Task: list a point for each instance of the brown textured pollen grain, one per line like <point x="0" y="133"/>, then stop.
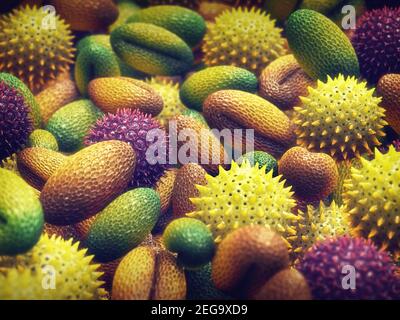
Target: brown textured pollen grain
<point x="88" y="15"/>
<point x="288" y="284"/>
<point x="188" y="177"/>
<point x="37" y="165"/>
<point x="165" y="187"/>
<point x="247" y="258"/>
<point x="56" y="96"/>
<point x="201" y="139"/>
<point x="283" y="82"/>
<point x="389" y="88"/>
<point x="87" y="182"/>
<point x="234" y="109"/>
<point x="313" y="176"/>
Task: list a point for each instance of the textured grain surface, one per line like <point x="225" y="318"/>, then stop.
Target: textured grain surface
<point x="283" y="82"/>
<point x="243" y="37"/>
<point x="123" y="224"/>
<point x="320" y="46"/>
<point x="146" y="273"/>
<point x="188" y="177"/>
<point x="36" y="45"/>
<point x="21" y="215"/>
<point x="36" y="165"/>
<point x="65" y="232"/>
<point x="247" y="258"/>
<point x="371" y="197"/>
<point x="71" y="123"/>
<point x="185" y="23"/>
<point x="340" y="117"/>
<point x="324" y="263"/>
<point x="112" y="93"/>
<point x="42" y="139"/>
<point x="165" y="188"/>
<point x="87" y="182"/>
<point x="95" y="59"/>
<point x="205" y="148"/>
<point x="29" y="98"/>
<point x="288" y="284"/>
<point x="56" y="96"/>
<point x="88" y="15"/>
<point x="201" y="84"/>
<point x="376" y="40"/>
<point x="151" y="49"/>
<point x="191" y="239"/>
<point x="389" y="89"/>
<point x="82" y="228"/>
<point x="241" y="196"/>
<point x="233" y="109"/>
<point x="313" y="176"/>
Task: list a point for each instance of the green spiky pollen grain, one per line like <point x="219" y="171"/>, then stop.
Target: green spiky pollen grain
<point x="43" y="139"/>
<point x="169" y="92"/>
<point x="244" y="38"/>
<point x="244" y="195"/>
<point x="32" y="50"/>
<point x="340" y="117"/>
<point x="76" y="277"/>
<point x="317" y="224"/>
<point x="372" y="200"/>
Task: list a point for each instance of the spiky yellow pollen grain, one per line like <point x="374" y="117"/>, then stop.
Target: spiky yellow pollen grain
<point x="372" y="200"/>
<point x="317" y="224"/>
<point x="245" y="195"/>
<point x="242" y="37"/>
<point x="35" y="46"/>
<point x="341" y="117"/>
<point x="53" y="269"/>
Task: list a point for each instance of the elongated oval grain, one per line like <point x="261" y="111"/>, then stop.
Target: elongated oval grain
<point x="234" y="109"/>
<point x="87" y="182"/>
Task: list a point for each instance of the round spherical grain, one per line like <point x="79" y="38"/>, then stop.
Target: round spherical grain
<point x="313" y="176"/>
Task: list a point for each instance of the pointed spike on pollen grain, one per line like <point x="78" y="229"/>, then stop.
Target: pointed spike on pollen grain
<point x="372" y="233"/>
<point x="391" y="234"/>
<point x="373" y="209"/>
<point x="365" y="218"/>
<point x="380" y="222"/>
